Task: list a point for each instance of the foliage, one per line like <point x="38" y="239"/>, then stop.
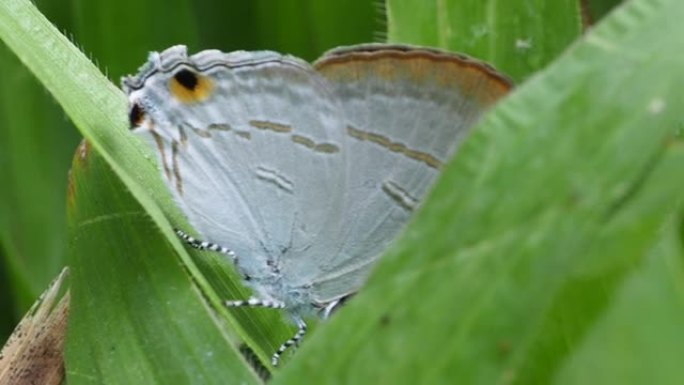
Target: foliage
<point x="549" y="251"/>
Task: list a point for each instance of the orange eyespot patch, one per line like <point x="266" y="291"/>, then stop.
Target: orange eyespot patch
<point x="190" y="87"/>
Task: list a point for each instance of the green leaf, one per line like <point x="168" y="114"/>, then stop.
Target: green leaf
<point x="518" y="37"/>
<point x="552" y="203"/>
<point x="519" y="267"/>
<point x="639" y="339"/>
<point x="141" y="307"/>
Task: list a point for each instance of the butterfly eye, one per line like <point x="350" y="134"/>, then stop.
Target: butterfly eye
<point x="190" y="87"/>
<point x="136" y="116"/>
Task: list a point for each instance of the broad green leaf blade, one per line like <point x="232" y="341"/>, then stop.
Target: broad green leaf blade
<point x="639" y="339"/>
<point x="164" y="331"/>
<point x="552" y="202"/>
<point x="518" y="37"/>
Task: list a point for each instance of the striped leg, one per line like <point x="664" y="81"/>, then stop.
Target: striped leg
<point x="256" y="302"/>
<point x="301" y="325"/>
<point x="202" y="245"/>
<point x="294" y="341"/>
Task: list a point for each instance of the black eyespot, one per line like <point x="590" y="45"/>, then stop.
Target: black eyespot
<point x="135" y="116"/>
<point x="187" y="79"/>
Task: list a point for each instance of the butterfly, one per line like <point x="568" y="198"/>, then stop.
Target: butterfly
<point x="302" y="174"/>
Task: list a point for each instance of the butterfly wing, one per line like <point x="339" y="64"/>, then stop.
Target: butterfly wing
<point x="406" y="111"/>
<point x="250" y="145"/>
<point x="307" y="175"/>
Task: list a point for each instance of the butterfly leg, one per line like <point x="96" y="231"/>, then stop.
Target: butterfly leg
<point x="252" y="302"/>
<point x="203" y="245"/>
<point x="256" y="302"/>
<point x="294" y="341"/>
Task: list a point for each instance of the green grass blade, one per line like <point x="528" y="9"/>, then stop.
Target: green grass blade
<point x="548" y="207"/>
<point x="518" y="37"/>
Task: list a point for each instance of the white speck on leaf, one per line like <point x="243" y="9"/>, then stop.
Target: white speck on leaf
<point x="523" y="44"/>
<point x="479" y="31"/>
<point x="656" y="106"/>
